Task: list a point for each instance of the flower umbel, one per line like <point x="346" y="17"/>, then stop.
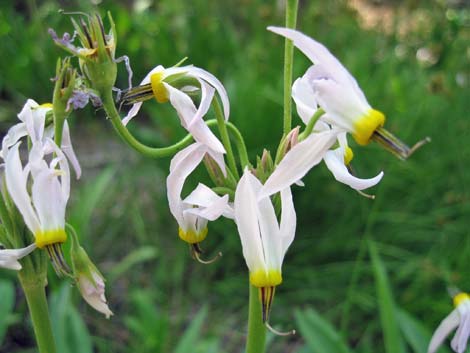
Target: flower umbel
<point x="459" y="318"/>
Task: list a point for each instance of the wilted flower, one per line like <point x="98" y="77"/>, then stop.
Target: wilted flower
<point x="459" y="318"/>
<point x="175" y="84"/>
<point x="328" y="84"/>
<point x="264" y="239"/>
<point x="89" y="280"/>
<point x="96" y="52"/>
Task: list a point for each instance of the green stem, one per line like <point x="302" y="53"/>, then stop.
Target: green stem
<point x="35" y="293"/>
<point x="309" y="128"/>
<point x="256" y="340"/>
<point x="153" y="152"/>
<point x="291" y="20"/>
<point x="240" y="142"/>
<point x="225" y="138"/>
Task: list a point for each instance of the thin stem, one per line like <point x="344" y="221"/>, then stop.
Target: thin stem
<point x="34" y="289"/>
<point x="240" y="142"/>
<point x="153" y="152"/>
<point x="225" y="138"/>
<point x="311" y="123"/>
<point x="256" y="339"/>
<point x="291" y="20"/>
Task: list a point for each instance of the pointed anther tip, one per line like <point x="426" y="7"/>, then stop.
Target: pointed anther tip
<point x="279" y="333"/>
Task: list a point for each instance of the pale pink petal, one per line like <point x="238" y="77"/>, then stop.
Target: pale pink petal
<point x="443" y="330"/>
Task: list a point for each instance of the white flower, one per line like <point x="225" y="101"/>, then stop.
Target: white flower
<point x="264" y="240"/>
<point x="91" y="286"/>
<point x="43" y="209"/>
<point x="33" y="118"/>
<point x="202" y="204"/>
<point x="190" y="116"/>
<point x="9" y="257"/>
<point x="334" y="89"/>
<point x="459" y="318"/>
<point x="298" y="161"/>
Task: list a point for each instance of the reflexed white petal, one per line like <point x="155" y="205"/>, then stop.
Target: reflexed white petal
<point x="443" y="330"/>
<point x="67" y="148"/>
<point x="334" y="160"/>
<point x="93" y="293"/>
<point x="16" y="184"/>
<point x="270" y="233"/>
<point x="26" y="111"/>
<point x="186" y="111"/>
<point x="214" y="82"/>
<point x="9" y="257"/>
<point x="136" y="107"/>
<point x="298" y="161"/>
<point x="14" y="134"/>
<point x="246" y="218"/>
<point x="288" y="221"/>
<point x="342" y="106"/>
<point x="65" y="171"/>
<point x="207" y="93"/>
<point x="219" y="159"/>
<point x="304" y="99"/>
<point x="320" y="55"/>
<point x="210" y="205"/>
<point x="48" y="200"/>
<point x="182" y="165"/>
<point x="459" y="342"/>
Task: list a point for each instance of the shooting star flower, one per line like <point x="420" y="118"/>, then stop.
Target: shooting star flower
<point x="264" y="240"/>
<point x="458" y="319"/>
<point x="175" y="85"/>
<point x="339" y="95"/>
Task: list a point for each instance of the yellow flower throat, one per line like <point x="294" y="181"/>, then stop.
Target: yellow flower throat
<point x="191" y="236"/>
<point x="159" y="91"/>
<point x="49" y="237"/>
<point x="365" y="126"/>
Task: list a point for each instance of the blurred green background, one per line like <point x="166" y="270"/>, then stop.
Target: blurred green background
<point x="361" y="276"/>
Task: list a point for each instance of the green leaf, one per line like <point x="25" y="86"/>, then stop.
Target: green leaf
<point x="70" y="331"/>
<point x="7" y="302"/>
<point x="415" y="333"/>
<point x="320" y="335"/>
<point x="388" y="311"/>
<point x="191" y="336"/>
<point x="89" y="197"/>
<point x="137" y="256"/>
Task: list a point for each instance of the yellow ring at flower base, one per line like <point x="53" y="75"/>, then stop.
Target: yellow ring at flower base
<point x="262" y="278"/>
<point x="348" y="155"/>
<point x="459" y="298"/>
<point x="192" y="237"/>
<point x="50" y="237"/>
<point x="365" y="126"/>
<point x="46" y="105"/>
<point x="159" y="91"/>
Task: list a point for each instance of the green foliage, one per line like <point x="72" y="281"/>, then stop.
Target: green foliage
<point x="7" y="293"/>
<point x="119" y="207"/>
<point x="320" y="335"/>
<point x="70" y="332"/>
